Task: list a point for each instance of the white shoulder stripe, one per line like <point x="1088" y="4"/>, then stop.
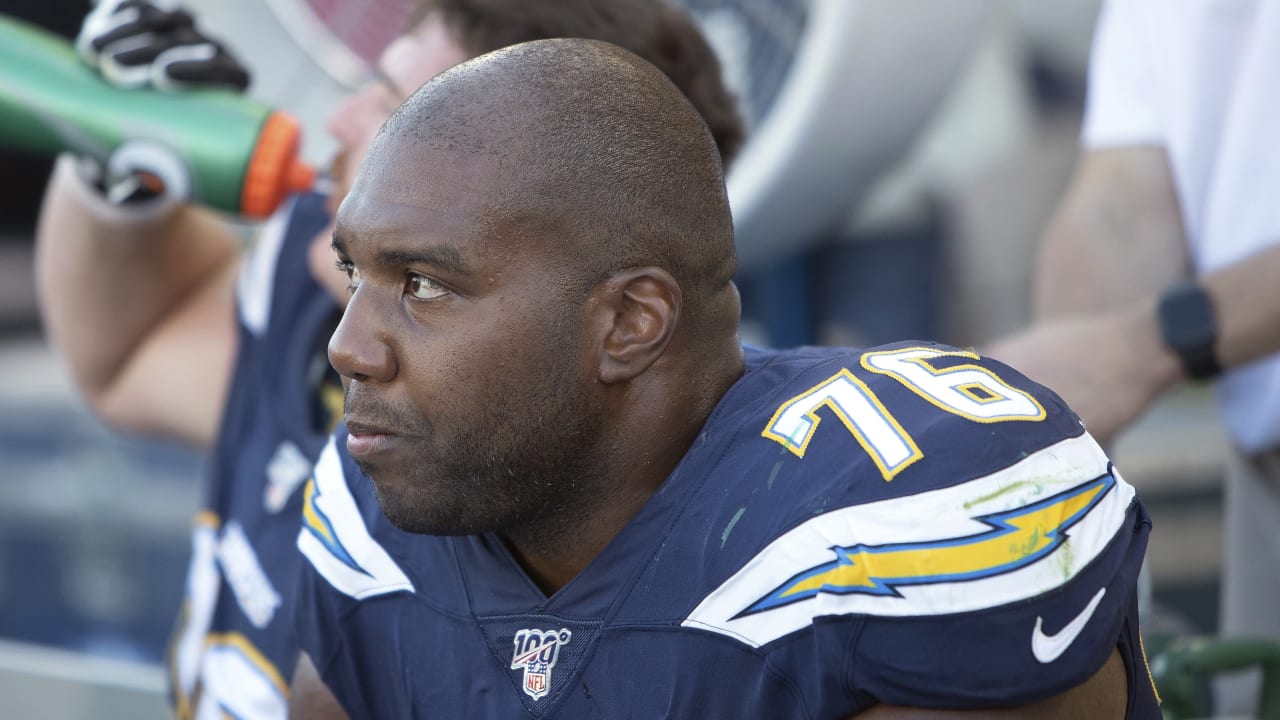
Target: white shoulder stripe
<point x="335" y="540"/>
<point x="1009" y="536"/>
<point x="256" y="284"/>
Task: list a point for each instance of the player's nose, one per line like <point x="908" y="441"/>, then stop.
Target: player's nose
<point x="358" y="349"/>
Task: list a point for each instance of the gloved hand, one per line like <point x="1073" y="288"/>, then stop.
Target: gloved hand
<point x="137" y="171"/>
<point x="134" y="44"/>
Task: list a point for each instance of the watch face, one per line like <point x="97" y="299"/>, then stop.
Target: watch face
<point x="1187" y="317"/>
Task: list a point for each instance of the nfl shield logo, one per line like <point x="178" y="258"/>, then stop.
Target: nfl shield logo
<point x="536" y="653"/>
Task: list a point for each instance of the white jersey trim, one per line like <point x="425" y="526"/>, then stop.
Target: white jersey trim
<point x="336" y="541"/>
<point x="255" y="285"/>
<point x="749" y="607"/>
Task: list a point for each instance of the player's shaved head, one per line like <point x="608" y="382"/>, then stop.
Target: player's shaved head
<point x="589" y="147"/>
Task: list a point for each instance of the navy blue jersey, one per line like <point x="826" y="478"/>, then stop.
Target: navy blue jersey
<point x="234" y="649"/>
<point x="912" y="525"/>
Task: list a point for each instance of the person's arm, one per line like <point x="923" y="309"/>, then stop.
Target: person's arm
<point x="1116" y="236"/>
<point x="1114" y="244"/>
<point x="309" y="697"/>
<point x="1102" y="696"/>
<point x="1099" y="343"/>
<point x="1246" y="303"/>
<point x="140" y="302"/>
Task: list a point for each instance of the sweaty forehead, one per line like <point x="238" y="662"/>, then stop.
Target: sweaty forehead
<point x="433" y="197"/>
<point x="414" y="174"/>
<point x="490" y="185"/>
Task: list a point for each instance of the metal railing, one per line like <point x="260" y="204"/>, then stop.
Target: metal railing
<point x="42" y="683"/>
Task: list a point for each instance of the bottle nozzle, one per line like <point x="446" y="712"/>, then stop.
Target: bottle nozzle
<point x="301" y="177"/>
<point x="274" y="171"/>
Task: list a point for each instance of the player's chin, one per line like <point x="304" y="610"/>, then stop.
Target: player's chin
<point x="393" y="502"/>
<point x="386" y="474"/>
<point x="393" y="491"/>
<point x="415" y="512"/>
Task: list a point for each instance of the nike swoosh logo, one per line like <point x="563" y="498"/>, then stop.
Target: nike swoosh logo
<point x="1048" y="648"/>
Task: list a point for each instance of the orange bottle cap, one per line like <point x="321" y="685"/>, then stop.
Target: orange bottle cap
<point x="274" y="170"/>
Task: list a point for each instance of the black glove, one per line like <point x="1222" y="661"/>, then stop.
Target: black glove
<point x="135" y="44"/>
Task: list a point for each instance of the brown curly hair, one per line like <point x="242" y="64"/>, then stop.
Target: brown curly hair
<point x="655" y="30"/>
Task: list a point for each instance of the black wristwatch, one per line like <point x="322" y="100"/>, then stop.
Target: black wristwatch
<point x="1188" y="328"/>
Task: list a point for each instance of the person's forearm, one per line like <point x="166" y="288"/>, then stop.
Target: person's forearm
<point x="1246" y="302"/>
<point x="1246" y="309"/>
<point x="1115" y="239"/>
<point x="1128" y="346"/>
<point x="1114" y="244"/>
<point x="106" y="276"/>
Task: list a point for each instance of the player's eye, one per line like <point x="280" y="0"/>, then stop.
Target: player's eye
<point x="423" y="287"/>
<point x="352" y="272"/>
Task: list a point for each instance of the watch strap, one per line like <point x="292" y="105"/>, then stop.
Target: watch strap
<point x="1188" y="328"/>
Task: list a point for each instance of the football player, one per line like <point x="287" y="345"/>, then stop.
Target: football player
<point x="169" y="330"/>
<point x="565" y="491"/>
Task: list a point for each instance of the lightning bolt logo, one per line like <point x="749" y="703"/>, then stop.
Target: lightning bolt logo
<point x="315" y="521"/>
<point x="1016" y="538"/>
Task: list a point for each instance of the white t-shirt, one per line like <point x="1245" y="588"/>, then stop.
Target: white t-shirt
<point x="1200" y="78"/>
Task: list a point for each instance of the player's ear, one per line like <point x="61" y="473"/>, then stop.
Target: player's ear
<point x="634" y="313"/>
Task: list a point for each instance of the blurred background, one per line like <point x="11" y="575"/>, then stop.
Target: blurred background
<point x="905" y="156"/>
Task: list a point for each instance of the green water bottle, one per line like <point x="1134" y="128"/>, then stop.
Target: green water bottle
<point x="213" y="147"/>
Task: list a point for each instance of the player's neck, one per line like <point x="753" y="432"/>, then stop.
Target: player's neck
<point x="648" y="441"/>
<point x="552" y="557"/>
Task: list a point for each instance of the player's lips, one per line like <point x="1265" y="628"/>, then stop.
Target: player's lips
<point x="365" y="438"/>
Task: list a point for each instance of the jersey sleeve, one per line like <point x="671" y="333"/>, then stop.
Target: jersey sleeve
<point x="275" y="280"/>
<point x="1000" y="591"/>
<point x="956" y="539"/>
<point x="1041" y="595"/>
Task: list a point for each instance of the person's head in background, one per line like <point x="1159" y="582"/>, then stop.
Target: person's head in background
<point x="447" y="32"/>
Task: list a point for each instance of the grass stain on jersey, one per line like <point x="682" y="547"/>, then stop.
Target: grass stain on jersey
<point x="724" y="537"/>
<point x="1021" y="484"/>
<point x="774" y="474"/>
